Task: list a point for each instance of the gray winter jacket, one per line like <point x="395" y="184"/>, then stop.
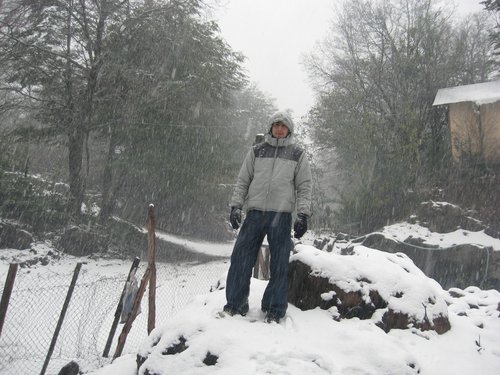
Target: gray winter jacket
<point x="275" y="175"/>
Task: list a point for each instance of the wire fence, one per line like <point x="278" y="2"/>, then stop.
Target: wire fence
<point x="38" y="297"/>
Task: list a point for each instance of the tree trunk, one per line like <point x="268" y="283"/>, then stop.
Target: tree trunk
<point x="75" y="134"/>
<point x="82" y="129"/>
<point x="107" y="179"/>
<point x="76" y="140"/>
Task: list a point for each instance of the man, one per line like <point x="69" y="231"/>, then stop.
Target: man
<point x="275" y="178"/>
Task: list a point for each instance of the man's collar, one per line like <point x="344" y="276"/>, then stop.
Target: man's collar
<point x="278" y="142"/>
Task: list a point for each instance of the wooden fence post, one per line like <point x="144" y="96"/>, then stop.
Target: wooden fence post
<point x="256" y="267"/>
<point x="61" y="317"/>
<point x="119" y="308"/>
<point x="149" y="276"/>
<point x="132" y="315"/>
<point x="266" y="256"/>
<point x="7" y="291"/>
<point x="261" y="266"/>
<point x="152" y="267"/>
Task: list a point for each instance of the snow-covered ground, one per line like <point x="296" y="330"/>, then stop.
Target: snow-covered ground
<point x="311" y="342"/>
<point x="402" y="231"/>
<point x="305" y="342"/>
<point x="40" y="290"/>
<point x="314" y="343"/>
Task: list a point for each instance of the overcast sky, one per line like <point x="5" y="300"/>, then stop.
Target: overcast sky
<point x="274" y="34"/>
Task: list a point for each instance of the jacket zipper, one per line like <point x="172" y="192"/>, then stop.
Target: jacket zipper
<point x="272" y="173"/>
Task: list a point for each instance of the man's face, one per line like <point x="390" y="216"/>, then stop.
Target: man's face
<point x="279" y="130"/>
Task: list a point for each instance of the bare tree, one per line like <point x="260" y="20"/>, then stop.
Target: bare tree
<point x="377" y="75"/>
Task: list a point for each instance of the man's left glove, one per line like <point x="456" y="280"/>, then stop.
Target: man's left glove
<point x="235" y="217"/>
<point x="300" y="225"/>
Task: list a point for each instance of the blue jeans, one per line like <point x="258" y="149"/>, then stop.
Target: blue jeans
<point x="277" y="226"/>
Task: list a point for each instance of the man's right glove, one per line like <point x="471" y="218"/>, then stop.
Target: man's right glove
<point x="235" y="217"/>
<point x="300" y="225"/>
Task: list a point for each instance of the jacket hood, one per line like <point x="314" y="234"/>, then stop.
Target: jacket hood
<point x="281" y="117"/>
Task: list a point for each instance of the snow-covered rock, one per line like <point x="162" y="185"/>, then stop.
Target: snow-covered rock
<point x="12" y="235"/>
<point x="198" y="341"/>
<point x="366" y="283"/>
<point x="444" y="217"/>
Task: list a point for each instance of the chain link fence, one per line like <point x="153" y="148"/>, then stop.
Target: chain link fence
<point x="38" y="297"/>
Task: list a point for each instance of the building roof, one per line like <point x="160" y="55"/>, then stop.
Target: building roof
<point x="480" y="93"/>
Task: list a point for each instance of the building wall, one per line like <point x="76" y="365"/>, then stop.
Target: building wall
<point x="475" y="131"/>
<point x="465" y="131"/>
<point x="490" y="123"/>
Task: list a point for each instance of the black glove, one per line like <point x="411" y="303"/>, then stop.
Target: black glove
<point x="300" y="225"/>
<point x="235" y="217"/>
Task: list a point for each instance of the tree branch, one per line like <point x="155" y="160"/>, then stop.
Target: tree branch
<point x="28" y="45"/>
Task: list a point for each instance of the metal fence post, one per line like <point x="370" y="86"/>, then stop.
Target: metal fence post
<point x="119" y="308"/>
<point x="7" y="291"/>
<point x="61" y="317"/>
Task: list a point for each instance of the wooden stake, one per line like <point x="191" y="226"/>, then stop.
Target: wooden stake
<point x="128" y="325"/>
<point x="152" y="267"/>
<point x="119" y="308"/>
<point x="149" y="276"/>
